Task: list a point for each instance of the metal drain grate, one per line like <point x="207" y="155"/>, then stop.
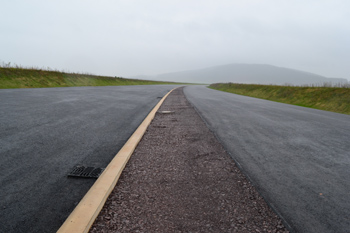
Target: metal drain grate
<point x="86" y="172"/>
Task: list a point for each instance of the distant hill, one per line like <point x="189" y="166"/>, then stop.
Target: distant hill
<point x="246" y="73"/>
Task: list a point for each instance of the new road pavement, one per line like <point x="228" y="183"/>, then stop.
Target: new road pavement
<point x="298" y="158"/>
<point x="46" y="132"/>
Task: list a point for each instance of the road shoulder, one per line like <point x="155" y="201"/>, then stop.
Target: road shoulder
<point x="180" y="178"/>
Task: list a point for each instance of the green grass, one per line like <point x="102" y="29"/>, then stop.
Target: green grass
<point x="325" y="98"/>
<point x="11" y="77"/>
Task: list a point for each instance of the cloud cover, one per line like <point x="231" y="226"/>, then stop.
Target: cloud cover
<point x="126" y="38"/>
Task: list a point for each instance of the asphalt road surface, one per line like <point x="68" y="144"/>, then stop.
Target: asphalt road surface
<point x="298" y="158"/>
<point x="45" y="132"/>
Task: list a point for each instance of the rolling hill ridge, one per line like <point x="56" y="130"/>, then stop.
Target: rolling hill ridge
<point x="246" y="73"/>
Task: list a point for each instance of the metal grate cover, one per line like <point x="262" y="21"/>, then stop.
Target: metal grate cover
<point x="86" y="172"/>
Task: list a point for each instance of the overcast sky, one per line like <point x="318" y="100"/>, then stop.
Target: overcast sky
<point x="126" y="38"/>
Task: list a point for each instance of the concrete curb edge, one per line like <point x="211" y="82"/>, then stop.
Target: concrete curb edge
<point x="85" y="213"/>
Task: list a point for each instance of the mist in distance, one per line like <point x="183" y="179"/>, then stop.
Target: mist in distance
<point x="132" y="38"/>
<point x="247" y="73"/>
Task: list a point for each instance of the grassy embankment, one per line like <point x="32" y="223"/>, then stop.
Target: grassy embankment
<point x="32" y="78"/>
<point x="325" y="98"/>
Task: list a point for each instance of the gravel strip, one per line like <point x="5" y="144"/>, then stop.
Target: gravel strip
<point x="180" y="179"/>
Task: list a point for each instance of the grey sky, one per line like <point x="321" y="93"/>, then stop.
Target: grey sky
<point x="125" y="38"/>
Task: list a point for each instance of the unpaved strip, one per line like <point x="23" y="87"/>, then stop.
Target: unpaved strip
<point x="180" y="179"/>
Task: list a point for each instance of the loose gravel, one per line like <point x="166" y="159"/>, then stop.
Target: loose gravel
<point x="180" y="179"/>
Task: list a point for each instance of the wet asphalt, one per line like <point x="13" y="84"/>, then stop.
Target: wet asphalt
<point x="47" y="131"/>
<point x="298" y="158"/>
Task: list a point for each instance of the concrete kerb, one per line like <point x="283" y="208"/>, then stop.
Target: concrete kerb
<point x="85" y="213"/>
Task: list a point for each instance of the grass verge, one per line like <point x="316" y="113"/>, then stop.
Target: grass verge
<point x="33" y="78"/>
<point x="325" y="98"/>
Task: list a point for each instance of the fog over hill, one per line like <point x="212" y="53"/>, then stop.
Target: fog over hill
<point x="246" y="73"/>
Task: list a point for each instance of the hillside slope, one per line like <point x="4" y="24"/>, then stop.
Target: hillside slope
<point x="33" y="78"/>
<point x="324" y="98"/>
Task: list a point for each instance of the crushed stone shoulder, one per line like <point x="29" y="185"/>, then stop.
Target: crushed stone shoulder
<point x="180" y="179"/>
